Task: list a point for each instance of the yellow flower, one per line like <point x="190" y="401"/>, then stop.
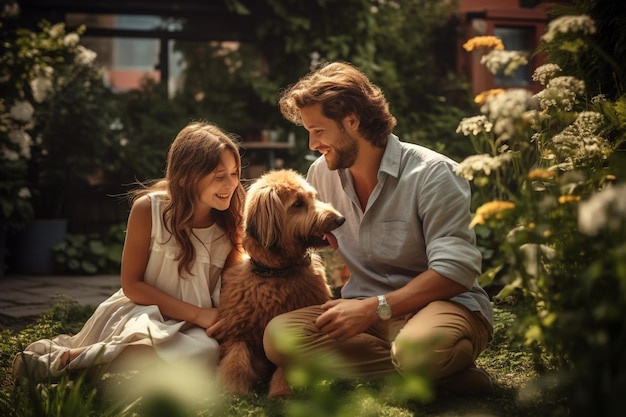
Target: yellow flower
<point x="568" y="198"/>
<point x="491" y="209"/>
<point x="541" y="174"/>
<point x="480" y="99"/>
<point x="488" y="42"/>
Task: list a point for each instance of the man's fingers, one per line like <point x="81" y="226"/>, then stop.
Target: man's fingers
<point x="329" y="304"/>
<point x="214" y="328"/>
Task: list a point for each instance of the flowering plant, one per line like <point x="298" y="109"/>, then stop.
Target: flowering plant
<point x="52" y="119"/>
<point x="545" y="180"/>
<point x="16" y="120"/>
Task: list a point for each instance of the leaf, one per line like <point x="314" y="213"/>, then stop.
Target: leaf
<point x="97" y="247"/>
<point x="509" y="289"/>
<point x="488" y="276"/>
<point x="88" y="267"/>
<point x="114" y="253"/>
<point x="237" y="7"/>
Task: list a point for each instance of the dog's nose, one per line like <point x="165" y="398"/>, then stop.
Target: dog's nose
<point x="340" y="220"/>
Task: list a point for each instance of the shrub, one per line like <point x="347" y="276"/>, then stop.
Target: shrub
<point x="91" y="253"/>
<point x="546" y="180"/>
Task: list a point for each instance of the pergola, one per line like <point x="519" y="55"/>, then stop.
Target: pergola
<point x="217" y="20"/>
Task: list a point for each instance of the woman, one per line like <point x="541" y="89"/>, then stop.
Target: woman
<point x="182" y="231"/>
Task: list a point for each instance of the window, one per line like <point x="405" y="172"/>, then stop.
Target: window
<point x="133" y="53"/>
<point x="515" y="39"/>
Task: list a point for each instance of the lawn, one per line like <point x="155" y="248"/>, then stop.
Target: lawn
<point x="182" y="392"/>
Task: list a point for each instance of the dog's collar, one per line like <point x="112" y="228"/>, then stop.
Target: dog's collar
<point x="266" y="271"/>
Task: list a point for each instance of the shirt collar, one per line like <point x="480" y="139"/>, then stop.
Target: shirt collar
<point x="390" y="164"/>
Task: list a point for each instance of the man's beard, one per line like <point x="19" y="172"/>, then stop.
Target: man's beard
<point x="345" y="154"/>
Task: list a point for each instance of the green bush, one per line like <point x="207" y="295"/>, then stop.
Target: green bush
<point x="547" y="177"/>
<point x="91" y="253"/>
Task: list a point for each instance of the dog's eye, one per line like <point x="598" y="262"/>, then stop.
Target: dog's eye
<point x="298" y="204"/>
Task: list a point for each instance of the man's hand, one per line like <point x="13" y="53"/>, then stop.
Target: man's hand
<point x="346" y="318"/>
<point x="215" y="331"/>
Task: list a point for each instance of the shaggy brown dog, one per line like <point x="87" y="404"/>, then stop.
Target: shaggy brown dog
<point x="283" y="220"/>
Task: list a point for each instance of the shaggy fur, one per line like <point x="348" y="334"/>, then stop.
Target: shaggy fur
<point x="283" y="220"/>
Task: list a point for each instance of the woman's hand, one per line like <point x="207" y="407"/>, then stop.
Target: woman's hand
<point x="206" y="317"/>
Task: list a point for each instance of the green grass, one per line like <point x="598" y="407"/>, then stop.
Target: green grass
<point x="182" y="392"/>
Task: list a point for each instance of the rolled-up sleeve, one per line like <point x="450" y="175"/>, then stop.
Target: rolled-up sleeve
<point x="445" y="213"/>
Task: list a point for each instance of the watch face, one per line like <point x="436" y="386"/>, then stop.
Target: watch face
<point x="384" y="311"/>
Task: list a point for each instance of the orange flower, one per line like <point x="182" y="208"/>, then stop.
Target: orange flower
<point x="541" y="174"/>
<point x="568" y="198"/>
<point x="493" y="208"/>
<point x="480" y="99"/>
<point x="488" y="42"/>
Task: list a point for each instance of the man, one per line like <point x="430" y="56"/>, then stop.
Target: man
<point x="406" y="241"/>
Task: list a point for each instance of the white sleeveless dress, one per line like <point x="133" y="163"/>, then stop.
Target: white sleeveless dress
<point x="118" y="322"/>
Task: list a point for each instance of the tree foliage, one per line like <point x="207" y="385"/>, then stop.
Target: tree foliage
<point x="401" y="45"/>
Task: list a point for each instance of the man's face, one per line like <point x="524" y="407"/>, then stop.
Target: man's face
<point x="329" y="138"/>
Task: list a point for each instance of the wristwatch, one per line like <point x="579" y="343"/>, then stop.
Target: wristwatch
<point x="383" y="310"/>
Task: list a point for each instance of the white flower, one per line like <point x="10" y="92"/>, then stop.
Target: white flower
<point x="504" y="61"/>
<point x="481" y="163"/>
<point x="22" y="140"/>
<point x="71" y="39"/>
<point x="25" y="146"/>
<point x="604" y="210"/>
<point x="599" y="99"/>
<point x="84" y="56"/>
<point x="580" y="145"/>
<point x="24" y="193"/>
<point x="474" y="125"/>
<point x="589" y="121"/>
<point x="116" y="125"/>
<point x="9" y="154"/>
<point x="582" y="24"/>
<point x="41" y="86"/>
<point x="569" y="83"/>
<point x="546" y="72"/>
<point x="561" y="93"/>
<point x="22" y="111"/>
<point x="316" y="60"/>
<point x="506" y="109"/>
<point x="535" y="119"/>
<point x="56" y="30"/>
<point x="511" y="104"/>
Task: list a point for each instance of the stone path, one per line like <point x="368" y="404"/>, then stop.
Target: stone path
<point x="24" y="296"/>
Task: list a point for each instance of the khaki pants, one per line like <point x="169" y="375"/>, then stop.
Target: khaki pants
<point x="442" y="339"/>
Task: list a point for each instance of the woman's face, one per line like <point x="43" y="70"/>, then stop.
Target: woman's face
<point x="216" y="189"/>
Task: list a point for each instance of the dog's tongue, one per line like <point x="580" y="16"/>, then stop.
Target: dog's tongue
<point x="332" y="240"/>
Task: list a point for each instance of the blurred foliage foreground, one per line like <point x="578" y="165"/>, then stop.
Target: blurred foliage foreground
<point x="187" y="391"/>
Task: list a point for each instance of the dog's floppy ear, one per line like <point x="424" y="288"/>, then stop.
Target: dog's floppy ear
<point x="264" y="217"/>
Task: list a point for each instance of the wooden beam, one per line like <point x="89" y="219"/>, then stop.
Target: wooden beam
<point x="171" y="8"/>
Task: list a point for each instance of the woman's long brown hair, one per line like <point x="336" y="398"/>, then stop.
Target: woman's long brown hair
<point x="195" y="153"/>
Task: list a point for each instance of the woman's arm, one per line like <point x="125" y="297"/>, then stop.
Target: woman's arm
<point x="134" y="262"/>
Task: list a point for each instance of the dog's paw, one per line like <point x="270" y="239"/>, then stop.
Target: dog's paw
<point x="284" y="394"/>
<point x="279" y="388"/>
